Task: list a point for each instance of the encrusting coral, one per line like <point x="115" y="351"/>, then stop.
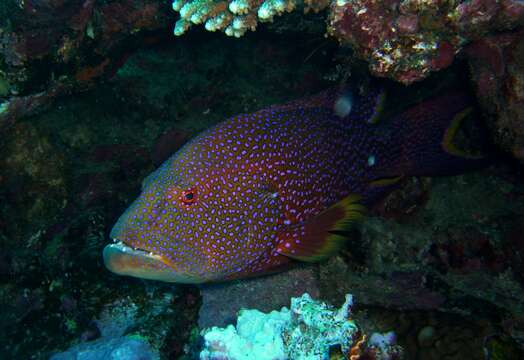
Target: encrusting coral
<point x="408" y="39"/>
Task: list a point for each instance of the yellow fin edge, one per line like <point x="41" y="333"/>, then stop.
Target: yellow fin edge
<point x="451" y="132"/>
<point x="354" y="212"/>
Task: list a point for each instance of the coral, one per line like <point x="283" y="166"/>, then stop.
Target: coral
<point x="38" y="292"/>
<point x="235" y="17"/>
<point x="406" y="40"/>
<point x="308" y="330"/>
<point x="85" y="41"/>
<point x="401" y="39"/>
<point x="256" y="335"/>
<point x="382" y="346"/>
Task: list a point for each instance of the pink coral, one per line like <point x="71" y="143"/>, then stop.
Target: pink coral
<point x="406" y="40"/>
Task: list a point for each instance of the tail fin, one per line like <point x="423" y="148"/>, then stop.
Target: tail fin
<point x="426" y="139"/>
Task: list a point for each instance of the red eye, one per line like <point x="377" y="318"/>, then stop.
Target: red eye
<point x="189" y="196"/>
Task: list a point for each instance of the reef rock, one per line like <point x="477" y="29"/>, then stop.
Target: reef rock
<point x="221" y="302"/>
<point x="49" y="48"/>
<point x="497" y="70"/>
<point x="123" y="348"/>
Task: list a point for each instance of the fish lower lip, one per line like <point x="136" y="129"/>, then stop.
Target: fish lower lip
<point x="124" y="260"/>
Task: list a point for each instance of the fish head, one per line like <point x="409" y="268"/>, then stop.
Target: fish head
<point x="195" y="221"/>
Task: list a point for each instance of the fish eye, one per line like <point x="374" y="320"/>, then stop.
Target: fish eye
<point x="188" y="197"/>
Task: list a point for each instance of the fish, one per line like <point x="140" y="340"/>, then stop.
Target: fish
<point x="260" y="192"/>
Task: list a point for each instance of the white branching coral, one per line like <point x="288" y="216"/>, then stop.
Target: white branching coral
<point x="235" y="17"/>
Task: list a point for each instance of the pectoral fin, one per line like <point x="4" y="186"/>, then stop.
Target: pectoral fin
<point x="318" y="238"/>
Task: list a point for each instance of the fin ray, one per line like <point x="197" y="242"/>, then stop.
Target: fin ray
<point x="319" y="238"/>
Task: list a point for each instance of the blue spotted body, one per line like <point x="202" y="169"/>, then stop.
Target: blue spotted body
<point x="257" y="191"/>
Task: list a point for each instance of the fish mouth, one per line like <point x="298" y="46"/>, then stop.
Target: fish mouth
<point x="123" y="259"/>
<point x="121" y="247"/>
